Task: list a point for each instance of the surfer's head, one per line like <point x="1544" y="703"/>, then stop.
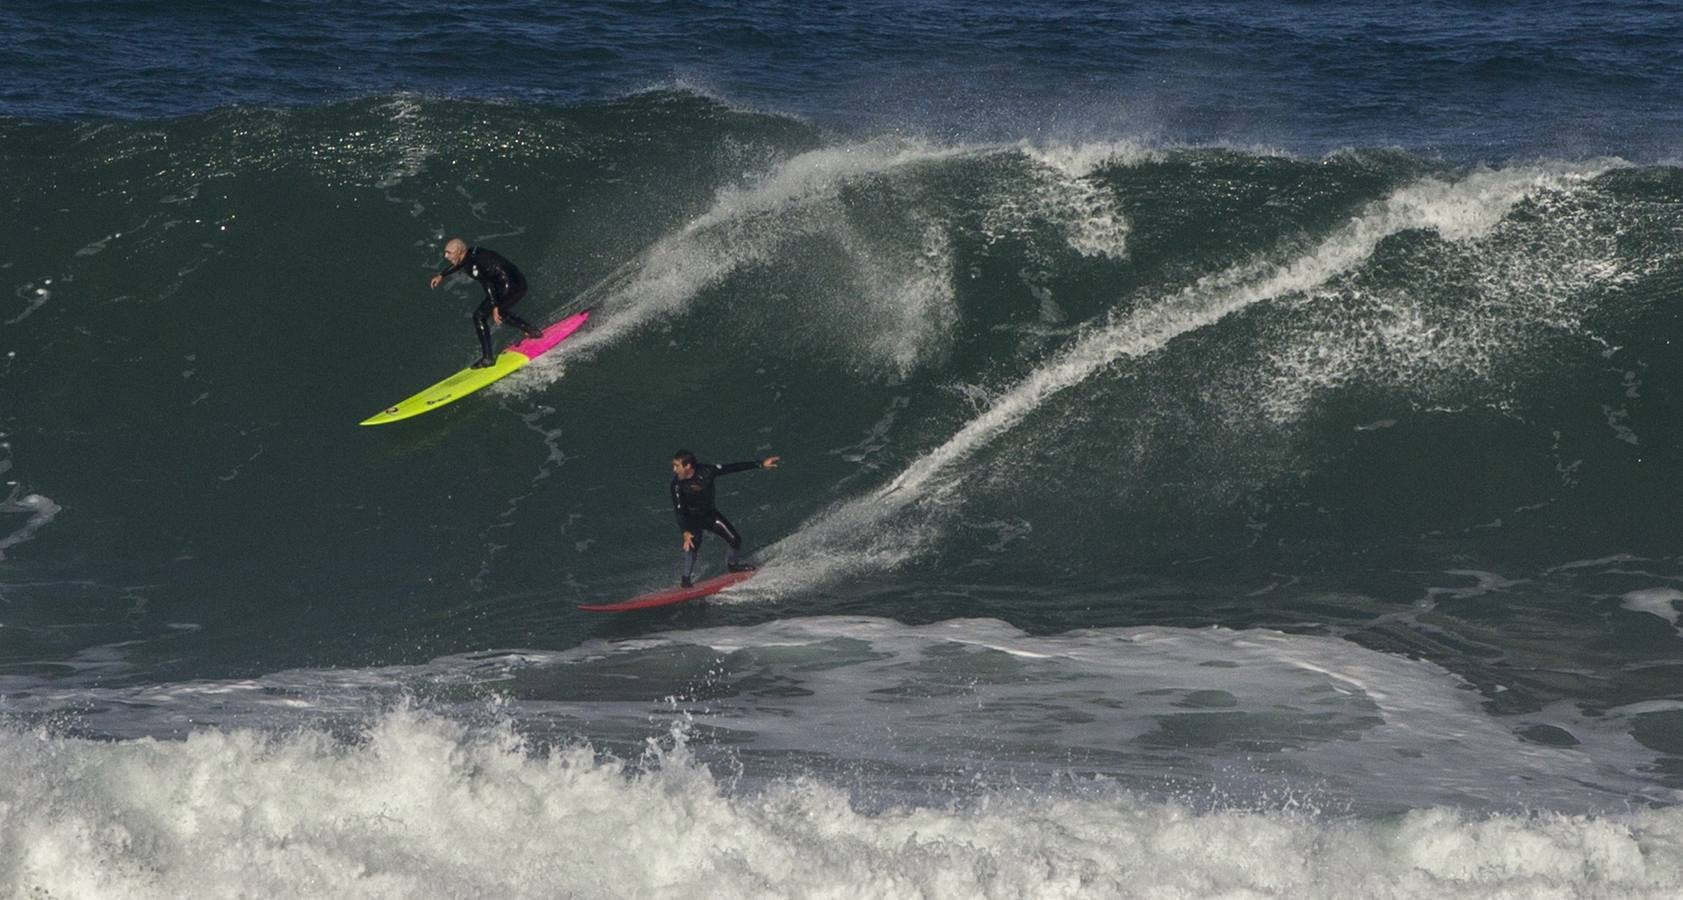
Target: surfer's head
<point x="455" y="250"/>
<point x="683" y="464"/>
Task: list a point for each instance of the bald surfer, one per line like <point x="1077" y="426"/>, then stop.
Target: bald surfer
<point x="692" y="501"/>
<point x="503" y="284"/>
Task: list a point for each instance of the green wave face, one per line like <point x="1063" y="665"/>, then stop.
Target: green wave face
<point x="1069" y="385"/>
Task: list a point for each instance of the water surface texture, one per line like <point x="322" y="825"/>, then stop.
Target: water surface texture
<point x="1229" y="450"/>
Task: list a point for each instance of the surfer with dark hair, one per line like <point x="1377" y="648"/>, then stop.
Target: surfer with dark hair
<point x="692" y="501"/>
<point x="503" y="284"/>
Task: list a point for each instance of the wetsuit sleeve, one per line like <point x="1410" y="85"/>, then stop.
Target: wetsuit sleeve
<point x="678" y="504"/>
<point x="452" y="269"/>
<point x="728" y="468"/>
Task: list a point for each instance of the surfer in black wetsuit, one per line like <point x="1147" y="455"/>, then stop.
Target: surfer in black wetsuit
<point x="504" y="286"/>
<point x="692" y="501"/>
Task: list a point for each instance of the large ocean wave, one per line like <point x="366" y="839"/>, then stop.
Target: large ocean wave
<point x="1139" y="498"/>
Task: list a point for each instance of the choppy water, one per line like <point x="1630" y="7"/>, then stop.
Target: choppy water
<point x="1208" y="471"/>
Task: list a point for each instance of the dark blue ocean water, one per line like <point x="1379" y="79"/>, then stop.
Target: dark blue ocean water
<point x="1229" y="450"/>
<point x="1466" y="80"/>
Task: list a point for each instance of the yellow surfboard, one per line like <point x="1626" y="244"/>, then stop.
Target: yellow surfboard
<point x="465" y="382"/>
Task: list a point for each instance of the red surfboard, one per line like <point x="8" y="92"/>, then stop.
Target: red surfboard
<point x="672" y="595"/>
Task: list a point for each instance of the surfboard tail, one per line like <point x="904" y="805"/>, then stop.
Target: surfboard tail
<point x="672" y="596"/>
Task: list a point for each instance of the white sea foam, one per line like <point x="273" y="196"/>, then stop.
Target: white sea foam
<point x="1660" y="602"/>
<point x="1082" y="160"/>
<point x="34" y="297"/>
<point x="1212" y="717"/>
<point x="40" y="510"/>
<point x="415" y="804"/>
<point x="1520" y="280"/>
<point x="1067" y="193"/>
<point x="420" y="808"/>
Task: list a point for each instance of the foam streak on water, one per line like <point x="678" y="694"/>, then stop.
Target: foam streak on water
<point x="1458" y="211"/>
<point x="744" y="225"/>
<point x="906" y="306"/>
<point x="39" y="509"/>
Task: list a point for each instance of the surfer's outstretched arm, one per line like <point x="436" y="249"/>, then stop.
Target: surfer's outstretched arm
<point x="769" y="462"/>
<point x="439" y="278"/>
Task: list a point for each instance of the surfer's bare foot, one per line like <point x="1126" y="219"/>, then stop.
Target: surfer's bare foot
<point x="534" y="332"/>
<point x="484" y="362"/>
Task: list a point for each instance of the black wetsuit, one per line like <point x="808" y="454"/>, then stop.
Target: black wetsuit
<point x="504" y="286"/>
<point x="692" y="502"/>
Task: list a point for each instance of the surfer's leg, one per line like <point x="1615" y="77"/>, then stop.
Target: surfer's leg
<point x="722" y="527"/>
<point x="505" y="304"/>
<point x="482" y="324"/>
<point x="529" y="329"/>
<point x="689" y="560"/>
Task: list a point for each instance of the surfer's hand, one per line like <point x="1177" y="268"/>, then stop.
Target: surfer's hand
<point x="496" y="315"/>
<point x="436" y="281"/>
<point x="769" y="462"/>
<point x="689" y="541"/>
